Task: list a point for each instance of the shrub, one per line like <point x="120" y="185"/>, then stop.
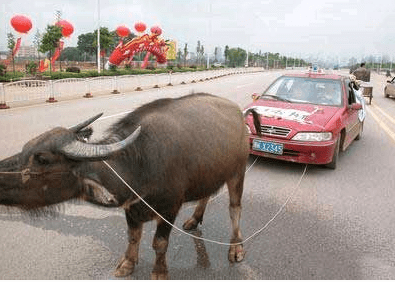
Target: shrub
<point x="73" y="69"/>
<point x="3" y="69"/>
<point x="113" y="68"/>
<point x="31" y="67"/>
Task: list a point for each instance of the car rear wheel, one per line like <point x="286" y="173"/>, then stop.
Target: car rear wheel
<point x="386" y="95"/>
<point x="333" y="163"/>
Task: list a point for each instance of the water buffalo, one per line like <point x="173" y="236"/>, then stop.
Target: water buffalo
<point x="170" y="151"/>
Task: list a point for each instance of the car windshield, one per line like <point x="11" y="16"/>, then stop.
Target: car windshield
<point x="306" y="90"/>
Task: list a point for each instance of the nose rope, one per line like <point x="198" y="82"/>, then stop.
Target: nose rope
<point x="23" y="172"/>
<point x="208" y="240"/>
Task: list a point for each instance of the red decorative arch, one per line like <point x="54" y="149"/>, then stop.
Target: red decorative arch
<point x="150" y="43"/>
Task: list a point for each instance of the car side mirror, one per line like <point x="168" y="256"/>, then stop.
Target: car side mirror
<point x="255" y="97"/>
<point x="356" y="106"/>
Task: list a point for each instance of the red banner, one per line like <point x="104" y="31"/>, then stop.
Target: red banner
<point x="16" y="47"/>
<point x="44" y="64"/>
<point x="57" y="53"/>
<point x="145" y="62"/>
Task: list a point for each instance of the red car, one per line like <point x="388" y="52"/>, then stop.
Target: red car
<point x="305" y="118"/>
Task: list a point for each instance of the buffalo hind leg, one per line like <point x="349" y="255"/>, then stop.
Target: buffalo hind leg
<point x="235" y="188"/>
<point x="160" y="244"/>
<point x="127" y="262"/>
<point x="197" y="216"/>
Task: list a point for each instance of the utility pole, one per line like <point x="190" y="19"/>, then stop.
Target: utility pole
<point x="98" y="36"/>
<point x="58" y="15"/>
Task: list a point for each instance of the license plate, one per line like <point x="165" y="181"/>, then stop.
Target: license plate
<point x="268" y="147"/>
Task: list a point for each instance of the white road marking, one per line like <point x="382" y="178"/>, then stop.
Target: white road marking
<point x="383" y="113"/>
<point x="244" y="85"/>
<point x="390" y="133"/>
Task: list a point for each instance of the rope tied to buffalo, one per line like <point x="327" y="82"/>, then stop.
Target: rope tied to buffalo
<point x="208" y="240"/>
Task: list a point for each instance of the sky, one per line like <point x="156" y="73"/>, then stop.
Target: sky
<point x="298" y="28"/>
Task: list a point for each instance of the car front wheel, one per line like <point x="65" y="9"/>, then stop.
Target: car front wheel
<point x="333" y="163"/>
<point x="359" y="136"/>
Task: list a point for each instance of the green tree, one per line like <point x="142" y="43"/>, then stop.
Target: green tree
<point x="199" y="52"/>
<point x="179" y="56"/>
<point x="50" y="40"/>
<point x="11" y="45"/>
<point x="226" y="54"/>
<point x="185" y="54"/>
<point x="37" y="42"/>
<point x="85" y="44"/>
<point x="106" y="40"/>
<point x="215" y="54"/>
<point x="237" y="57"/>
<point x="71" y="54"/>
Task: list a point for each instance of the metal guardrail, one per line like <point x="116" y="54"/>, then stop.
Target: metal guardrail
<point x="50" y="90"/>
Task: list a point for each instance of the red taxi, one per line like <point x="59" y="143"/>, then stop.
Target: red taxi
<point x="304" y="118"/>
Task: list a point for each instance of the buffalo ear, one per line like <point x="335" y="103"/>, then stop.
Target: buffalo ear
<point x="84" y="134"/>
<point x="95" y="193"/>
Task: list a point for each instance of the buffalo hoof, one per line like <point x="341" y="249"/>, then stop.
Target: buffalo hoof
<point x="125" y="268"/>
<point x="159" y="276"/>
<point x="236" y="253"/>
<point x="190" y="224"/>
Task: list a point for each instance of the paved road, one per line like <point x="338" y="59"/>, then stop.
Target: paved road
<point x="338" y="225"/>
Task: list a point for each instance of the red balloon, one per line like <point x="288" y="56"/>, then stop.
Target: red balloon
<point x="156" y="30"/>
<point x="140" y="26"/>
<point x="122" y="31"/>
<point x="21" y="23"/>
<point x="67" y="28"/>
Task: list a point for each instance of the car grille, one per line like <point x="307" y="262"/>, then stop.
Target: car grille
<point x="275" y="130"/>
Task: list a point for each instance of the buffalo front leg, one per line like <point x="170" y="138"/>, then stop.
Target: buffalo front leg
<point x="160" y="244"/>
<point x="235" y="187"/>
<point x="127" y="262"/>
<point x="197" y="216"/>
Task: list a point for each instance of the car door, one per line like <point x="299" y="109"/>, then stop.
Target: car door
<point x="352" y="123"/>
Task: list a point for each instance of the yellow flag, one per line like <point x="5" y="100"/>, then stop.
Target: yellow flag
<point x="172" y="51"/>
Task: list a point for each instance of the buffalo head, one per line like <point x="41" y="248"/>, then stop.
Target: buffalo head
<point x="54" y="167"/>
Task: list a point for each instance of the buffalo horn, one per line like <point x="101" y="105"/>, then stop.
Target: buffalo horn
<point x="81" y="125"/>
<point x="81" y="150"/>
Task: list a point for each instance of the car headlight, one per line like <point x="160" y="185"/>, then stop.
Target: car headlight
<point x="248" y="129"/>
<point x="313" y="136"/>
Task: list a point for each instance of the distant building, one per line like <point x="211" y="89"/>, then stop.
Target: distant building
<point x="3" y="55"/>
<point x="26" y="52"/>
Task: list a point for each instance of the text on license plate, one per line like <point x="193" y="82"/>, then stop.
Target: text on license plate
<point x="268" y="147"/>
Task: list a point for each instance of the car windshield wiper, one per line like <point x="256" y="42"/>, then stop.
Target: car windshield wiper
<point x="275" y="97"/>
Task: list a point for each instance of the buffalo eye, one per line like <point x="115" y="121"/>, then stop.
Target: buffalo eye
<point x="42" y="159"/>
